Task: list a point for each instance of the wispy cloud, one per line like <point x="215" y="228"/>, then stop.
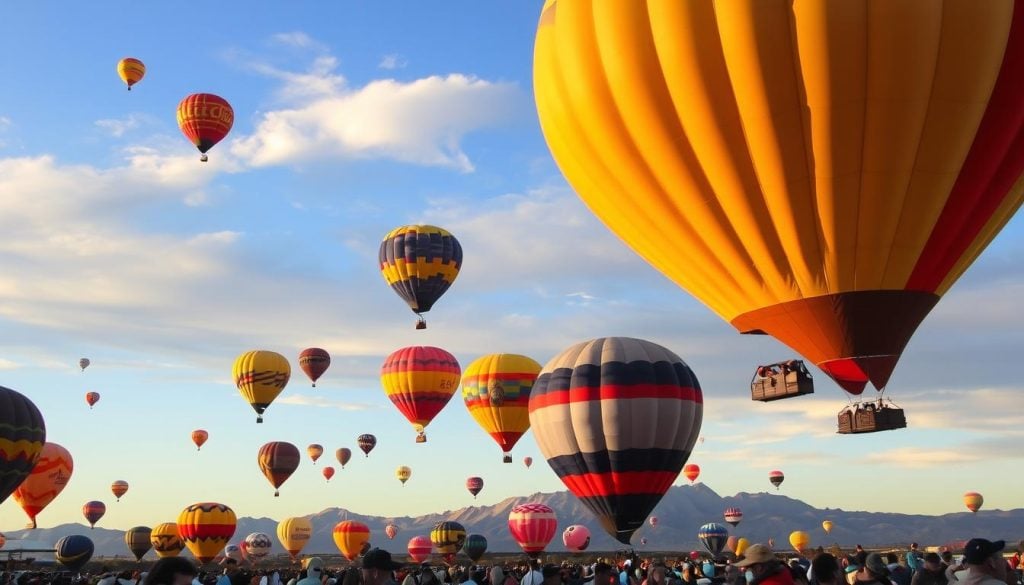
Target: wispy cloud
<point x="322" y="402"/>
<point x="297" y="39"/>
<point x="8" y="364"/>
<point x="118" y="127"/>
<point x="392" y="61"/>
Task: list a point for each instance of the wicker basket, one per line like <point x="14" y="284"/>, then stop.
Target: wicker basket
<point x="781" y="380"/>
<point x="871" y="418"/>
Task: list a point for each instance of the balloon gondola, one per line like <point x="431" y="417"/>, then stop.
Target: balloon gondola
<point x="787" y="379"/>
<point x="871" y="417"/>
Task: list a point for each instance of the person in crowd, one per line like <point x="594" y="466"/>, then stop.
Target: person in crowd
<point x="985" y="563"/>
<point x="930" y="572"/>
<point x="552" y="575"/>
<point x="533" y="575"/>
<point x="898" y="574"/>
<point x="763" y="568"/>
<point x="913" y="558"/>
<point x="378" y="568"/>
<point x="873" y="570"/>
<point x="171" y="571"/>
<point x="825" y="570"/>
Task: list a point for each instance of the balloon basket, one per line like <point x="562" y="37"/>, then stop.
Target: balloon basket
<point x="204" y="158"/>
<point x="506" y="459"/>
<point x="781" y="380"/>
<point x="421" y="324"/>
<point x="871" y="417"/>
<point x="421" y="438"/>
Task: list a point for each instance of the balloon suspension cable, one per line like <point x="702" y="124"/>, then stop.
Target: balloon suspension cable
<point x="204" y="158"/>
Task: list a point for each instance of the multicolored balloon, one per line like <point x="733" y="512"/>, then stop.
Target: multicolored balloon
<point x="74" y="551"/>
<point x="776" y="477"/>
<point x="206" y="528"/>
<point x="199" y="437"/>
<point x="205" y="119"/>
<point x="258" y="546"/>
<point x="576" y="538"/>
<point x="391" y="531"/>
<point x="713" y="536"/>
<point x="314" y="451"/>
<point x="776" y="187"/>
<point x="91" y="398"/>
<point x="475" y="547"/>
<point x="93" y="511"/>
<point x="119" y="488"/>
<point x="733" y="516"/>
<point x="532" y="526"/>
<point x="827" y="526"/>
<point x="260" y="376"/>
<point x="314" y="362"/>
<point x="583" y="410"/>
<point x="47" y="480"/>
<point x="419" y="381"/>
<point x="474" y="485"/>
<point x="420" y="262"/>
<point x="973" y="501"/>
<point x="448" y="539"/>
<point x="496" y="390"/>
<point x="131" y="71"/>
<point x="691" y="471"/>
<point x="403" y="473"/>
<point x="366" y="443"/>
<point x="294" y="534"/>
<point x="233" y="552"/>
<point x="138" y="541"/>
<point x="419" y="548"/>
<point x="343" y="455"/>
<point x="165" y="540"/>
<point x="22" y="438"/>
<point x="278" y="460"/>
<point x="350" y="537"/>
<point x="799" y="540"/>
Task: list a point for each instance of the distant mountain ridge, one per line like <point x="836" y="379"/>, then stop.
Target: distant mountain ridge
<point x="681" y="512"/>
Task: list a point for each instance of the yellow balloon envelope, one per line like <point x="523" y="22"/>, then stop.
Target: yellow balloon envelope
<point x="827" y="526"/>
<point x="294" y="534"/>
<point x="350" y="537"/>
<point x="165" y="540"/>
<point x="260" y="377"/>
<point x="206" y="528"/>
<point x="973" y="501"/>
<point x="403" y="473"/>
<point x="799" y="540"/>
<point x="131" y="72"/>
<point x="48" y="479"/>
<point x="496" y="390"/>
<point x="741" y="546"/>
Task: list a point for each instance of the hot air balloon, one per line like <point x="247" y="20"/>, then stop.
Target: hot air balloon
<point x="496" y="390"/>
<point x="3" y="540"/>
<point x="448" y="539"/>
<point x="973" y="501"/>
<point x="391" y="530"/>
<point x="653" y="521"/>
<point x="733" y="516"/>
<point x="694" y="555"/>
<point x="527" y="461"/>
<point x="314" y="451"/>
<point x="776" y="477"/>
<point x="583" y="410"/>
<point x="576" y="538"/>
<point x="199" y="437"/>
<point x="48" y="479"/>
<point x="206" y="529"/>
<point x="22" y="437"/>
<point x="278" y="460"/>
<point x="419" y="548"/>
<point x="730" y="543"/>
<point x="260" y="377"/>
<point x="294" y="534"/>
<point x="813" y="171"/>
<point x="799" y="540"/>
<point x="243" y="548"/>
<point x="74" y="551"/>
<point x="420" y="262"/>
<point x="131" y="71"/>
<point x="258" y="545"/>
<point x="205" y="119"/>
<point x="743" y="543"/>
<point x="366" y="443"/>
<point x="343" y="455"/>
<point x="403" y="473"/>
<point x="827" y="526"/>
<point x="233" y="552"/>
<point x="91" y="398"/>
<point x="350" y="536"/>
<point x="314" y="362"/>
<point x="474" y="485"/>
<point x="532" y="526"/>
<point x="93" y="511"/>
<point x="137" y="541"/>
<point x="713" y="536"/>
<point x="692" y="472"/>
<point x="475" y="547"/>
<point x="420" y="381"/>
<point x="328" y="472"/>
<point x="119" y="488"/>
<point x="84" y="363"/>
<point x="165" y="540"/>
<point x="643" y="541"/>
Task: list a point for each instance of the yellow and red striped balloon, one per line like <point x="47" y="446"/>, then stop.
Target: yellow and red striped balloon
<point x="119" y="488"/>
<point x="260" y="376"/>
<point x="206" y="528"/>
<point x="165" y="540"/>
<point x="973" y="501"/>
<point x="350" y="537"/>
<point x="131" y="71"/>
<point x="496" y="390"/>
<point x="420" y="380"/>
<point x="205" y="119"/>
<point x="48" y="479"/>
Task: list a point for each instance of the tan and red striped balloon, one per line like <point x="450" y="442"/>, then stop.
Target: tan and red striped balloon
<point x="419" y="381"/>
<point x="314" y="362"/>
<point x="532" y="526"/>
<point x="131" y="71"/>
<point x="617" y="418"/>
<point x="278" y="460"/>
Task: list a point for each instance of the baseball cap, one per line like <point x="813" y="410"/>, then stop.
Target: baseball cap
<point x="377" y="558"/>
<point x="876" y="565"/>
<point x="978" y="550"/>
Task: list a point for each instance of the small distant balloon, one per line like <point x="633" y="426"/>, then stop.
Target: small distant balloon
<point x="314" y="362"/>
<point x="84" y="363"/>
<point x="91" y="398"/>
<point x="131" y="71"/>
<point x="199" y="437"/>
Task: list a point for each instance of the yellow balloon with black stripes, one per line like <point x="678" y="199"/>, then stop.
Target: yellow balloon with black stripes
<point x="260" y="376"/>
<point x="420" y="262"/>
<point x="165" y="540"/>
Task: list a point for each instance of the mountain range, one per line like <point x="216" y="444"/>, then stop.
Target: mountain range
<point x="681" y="512"/>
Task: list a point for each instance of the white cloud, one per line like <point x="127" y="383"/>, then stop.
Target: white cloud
<point x="118" y="127"/>
<point x="8" y="364"/>
<point x="322" y="402"/>
<point x="392" y="61"/>
<point x="298" y="40"/>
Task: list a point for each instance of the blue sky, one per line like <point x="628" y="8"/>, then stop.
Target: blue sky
<point x="352" y="119"/>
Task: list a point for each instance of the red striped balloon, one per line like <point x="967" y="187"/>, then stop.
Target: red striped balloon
<point x="205" y="119"/>
<point x="733" y="516"/>
<point x="616" y="419"/>
<point x="474" y="485"/>
<point x="91" y="398"/>
<point x="278" y="460"/>
<point x="314" y="362"/>
<point x="391" y="531"/>
<point x="420" y="380"/>
<point x="93" y="511"/>
<point x="532" y="526"/>
<point x="419" y="548"/>
<point x="776" y="477"/>
<point x="691" y="471"/>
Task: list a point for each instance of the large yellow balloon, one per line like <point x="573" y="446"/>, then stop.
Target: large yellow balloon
<point x="818" y="171"/>
<point x="294" y="534"/>
<point x="496" y="390"/>
<point x="350" y="537"/>
<point x="206" y="529"/>
<point x="260" y="377"/>
<point x="165" y="540"/>
<point x="799" y="540"/>
<point x="48" y="479"/>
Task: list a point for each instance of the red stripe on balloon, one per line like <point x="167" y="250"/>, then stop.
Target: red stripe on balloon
<point x="615" y="392"/>
<point x="590" y="485"/>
